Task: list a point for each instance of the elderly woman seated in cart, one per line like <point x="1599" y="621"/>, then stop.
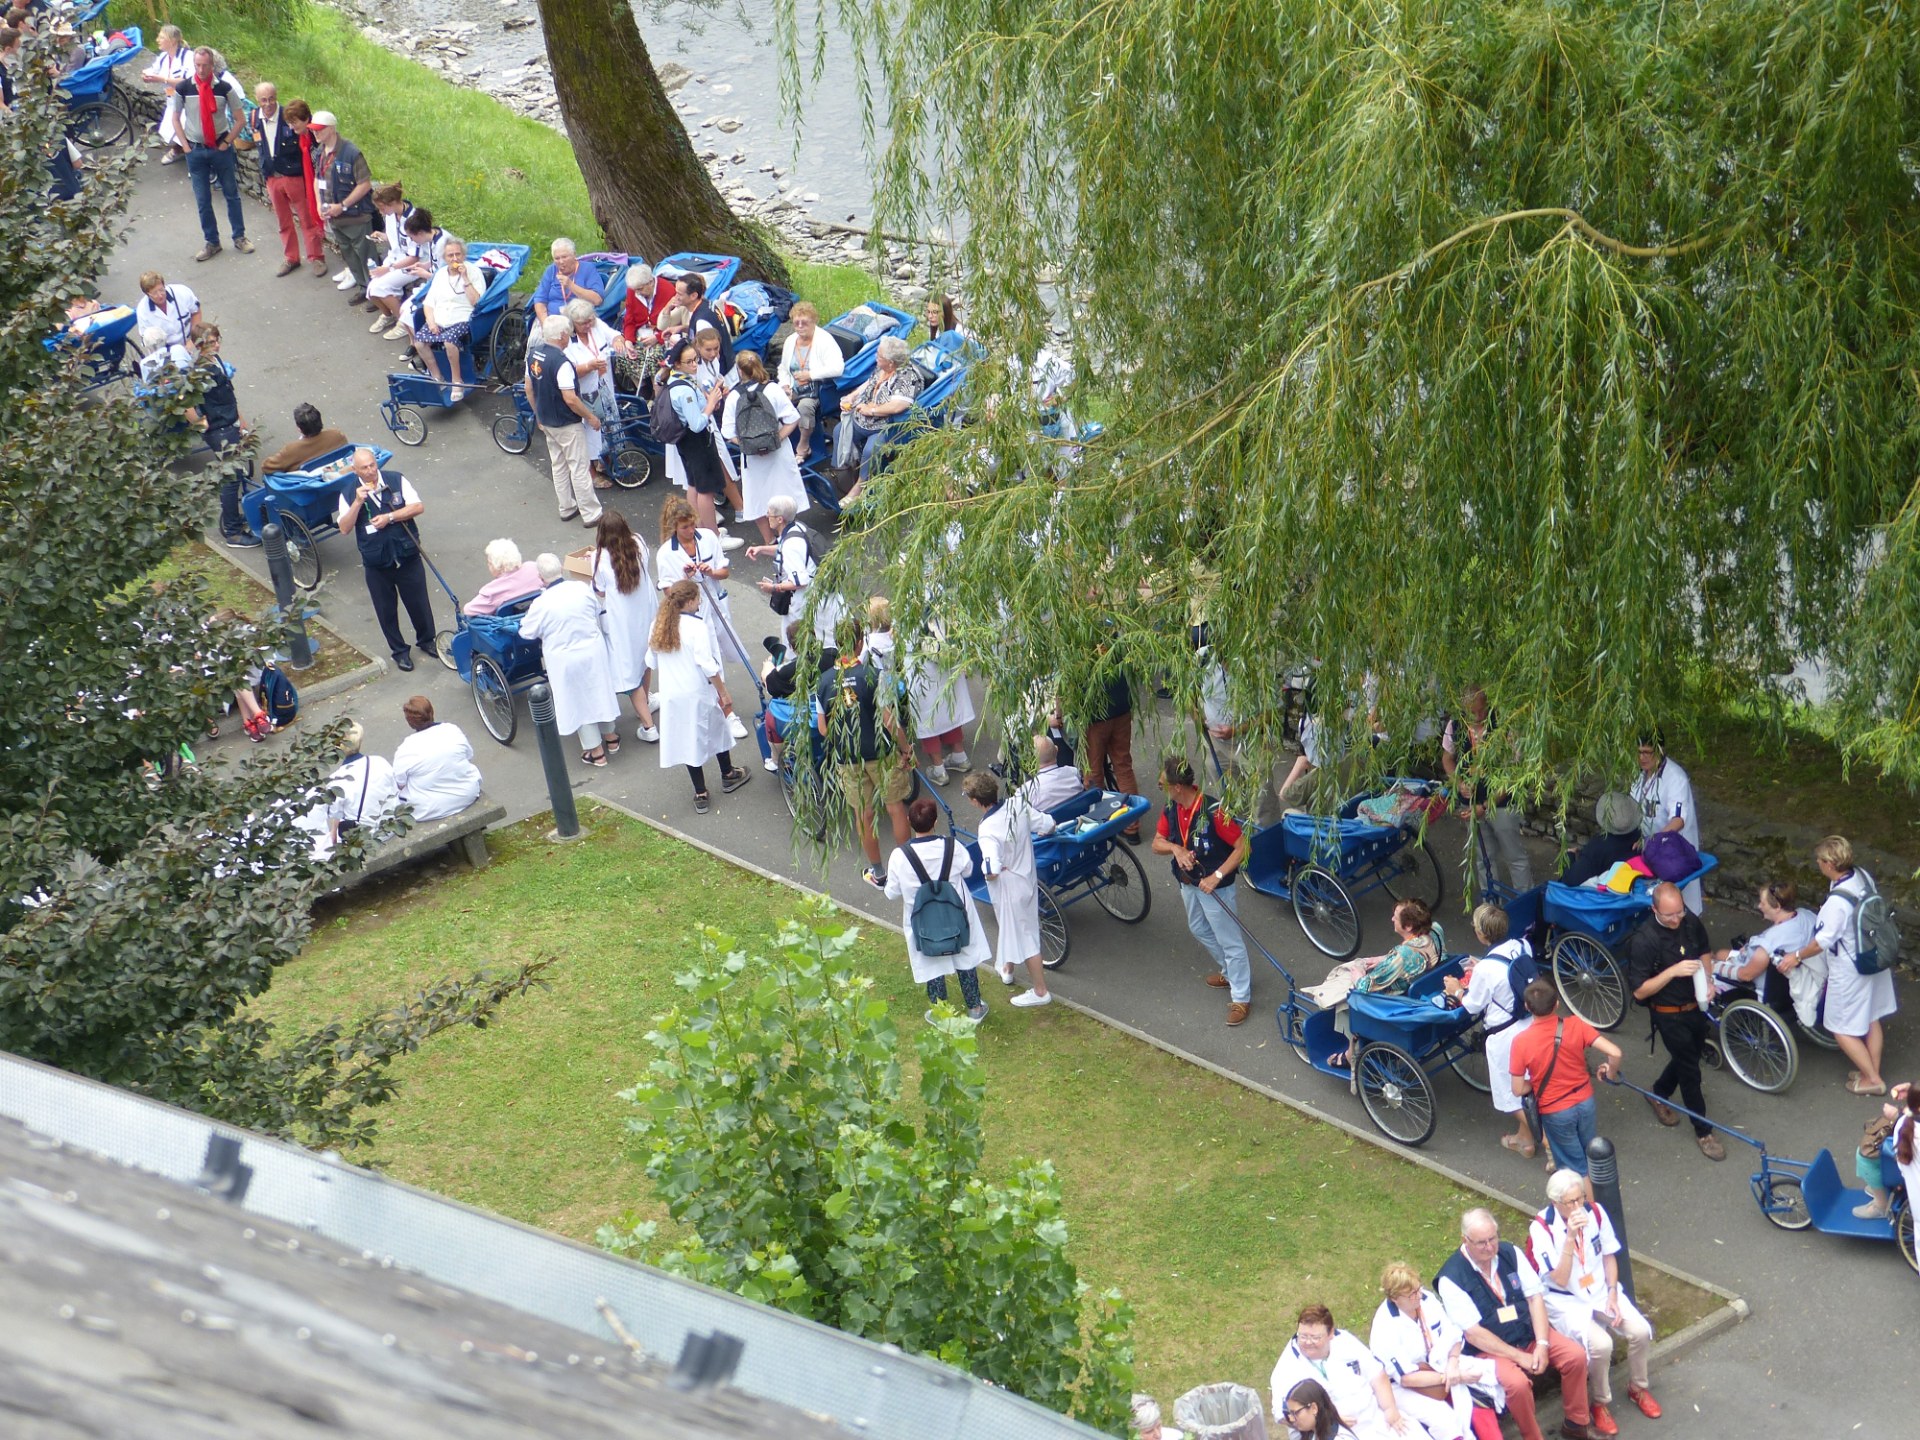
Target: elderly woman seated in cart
<point x="1423" y="945"/>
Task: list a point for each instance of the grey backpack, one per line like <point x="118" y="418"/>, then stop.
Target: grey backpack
<point x="755" y="425"/>
<point x="1876" y="939"/>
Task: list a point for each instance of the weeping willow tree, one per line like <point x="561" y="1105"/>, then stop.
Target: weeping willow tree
<point x="1563" y="348"/>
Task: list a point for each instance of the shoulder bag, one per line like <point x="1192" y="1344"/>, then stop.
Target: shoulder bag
<point x="1530" y="1102"/>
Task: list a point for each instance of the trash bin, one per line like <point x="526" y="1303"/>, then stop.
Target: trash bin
<point x="1222" y="1411"/>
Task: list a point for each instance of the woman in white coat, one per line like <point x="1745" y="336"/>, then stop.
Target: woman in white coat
<point x="565" y="619"/>
<point x="1856" y="1003"/>
<point x="689" y="553"/>
<point x="1487" y="991"/>
<point x="1006" y="834"/>
<point x="942" y="706"/>
<point x="1424" y="1352"/>
<point x="694" y="704"/>
<point x="629" y="600"/>
<point x="433" y="768"/>
<point x="777" y="472"/>
<point x="903" y="884"/>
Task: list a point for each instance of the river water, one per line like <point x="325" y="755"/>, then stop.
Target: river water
<point x="729" y="46"/>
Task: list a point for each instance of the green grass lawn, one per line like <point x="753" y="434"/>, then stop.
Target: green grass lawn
<point x="1217" y="1211"/>
<point x="230" y="588"/>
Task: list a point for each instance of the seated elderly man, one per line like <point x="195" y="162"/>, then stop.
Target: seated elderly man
<point x="433" y="769"/>
<point x="1355" y="1380"/>
<point x="1052" y="783"/>
<point x="886" y="395"/>
<point x="512" y="578"/>
<point x="316" y="439"/>
<point x="567" y="278"/>
<point x="1493" y="1293"/>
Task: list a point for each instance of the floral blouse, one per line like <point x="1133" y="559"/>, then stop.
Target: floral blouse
<point x="1394" y="971"/>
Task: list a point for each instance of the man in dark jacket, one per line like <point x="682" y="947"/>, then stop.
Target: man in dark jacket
<point x="378" y="513"/>
<point x="692" y="291"/>
<point x="278" y="145"/>
<point x="1663" y="956"/>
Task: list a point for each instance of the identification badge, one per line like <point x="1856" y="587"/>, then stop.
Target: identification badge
<point x="1507" y="1314"/>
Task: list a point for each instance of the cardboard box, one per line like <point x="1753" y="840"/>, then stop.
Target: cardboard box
<point x="579" y="563"/>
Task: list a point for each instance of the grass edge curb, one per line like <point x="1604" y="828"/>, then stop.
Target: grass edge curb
<point x="324" y="689"/>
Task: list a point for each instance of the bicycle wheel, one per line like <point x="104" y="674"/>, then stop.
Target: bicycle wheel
<point x="1415" y="874"/>
<point x="629" y="467"/>
<point x="1590" y="981"/>
<point x="1758" y="1046"/>
<point x="1325" y="912"/>
<point x="1120" y="887"/>
<point x="1054" y="940"/>
<point x="303" y="551"/>
<point x="1785" y="1205"/>
<point x="1397" y="1094"/>
<point x="1468" y="1060"/>
<point x="507" y="346"/>
<point x="493" y="698"/>
<point x="512" y="434"/>
<point x="408" y="424"/>
<point x="1903" y="1233"/>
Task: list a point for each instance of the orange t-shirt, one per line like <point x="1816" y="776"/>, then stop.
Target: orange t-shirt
<point x="1569" y="1083"/>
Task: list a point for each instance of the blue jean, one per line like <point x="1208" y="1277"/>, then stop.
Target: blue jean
<point x="1568" y="1134"/>
<point x="1212" y="919"/>
<point x="203" y="167"/>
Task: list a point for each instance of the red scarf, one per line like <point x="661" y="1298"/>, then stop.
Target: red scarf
<point x="205" y="91"/>
<point x="306" y="170"/>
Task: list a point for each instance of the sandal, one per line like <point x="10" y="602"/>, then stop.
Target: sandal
<point x="1520" y="1147"/>
<point x="612" y="742"/>
<point x="1342" y="1061"/>
<point x="594" y="757"/>
<point x="1855" y="1087"/>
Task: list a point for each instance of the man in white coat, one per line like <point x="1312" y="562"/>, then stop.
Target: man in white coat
<point x="939" y="857"/>
<point x="565" y="619"/>
<point x="1005" y="835"/>
<point x="433" y="768"/>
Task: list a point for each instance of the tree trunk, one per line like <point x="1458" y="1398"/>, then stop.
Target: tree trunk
<point x="649" y="191"/>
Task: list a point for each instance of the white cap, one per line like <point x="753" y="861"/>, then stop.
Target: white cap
<point x="324" y="119"/>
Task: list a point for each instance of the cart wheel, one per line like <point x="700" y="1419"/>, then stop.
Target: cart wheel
<point x="100" y="123"/>
<point x="1293" y="1030"/>
<point x="1785" y="1205"/>
<point x="1120" y="886"/>
<point x="630" y="467"/>
<point x="1758" y="1046"/>
<point x="790" y="792"/>
<point x="408" y="424"/>
<point x="1397" y="1093"/>
<point x="1468" y="1058"/>
<point x="1903" y="1232"/>
<point x="303" y="551"/>
<point x="1325" y="912"/>
<point x="493" y="698"/>
<point x="1054" y="940"/>
<point x="443" y="642"/>
<point x="511" y="434"/>
<point x="1415" y="874"/>
<point x="507" y="349"/>
<point x="1590" y="981"/>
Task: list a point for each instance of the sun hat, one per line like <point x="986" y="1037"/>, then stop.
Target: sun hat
<point x="1617" y="814"/>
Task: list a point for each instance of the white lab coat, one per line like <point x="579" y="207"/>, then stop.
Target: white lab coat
<point x="764" y="476"/>
<point x="1006" y="847"/>
<point x="1404" y="1345"/>
<point x="363" y="791"/>
<point x="1854" y="1001"/>
<point x="693" y="729"/>
<point x="434" y="771"/>
<point x="565" y="619"/>
<point x="903" y="885"/>
<point x="1347" y="1374"/>
<point x="941" y="699"/>
<point x="1661" y="796"/>
<point x="629" y="619"/>
<point x="671" y="564"/>
<point x="1490" y="995"/>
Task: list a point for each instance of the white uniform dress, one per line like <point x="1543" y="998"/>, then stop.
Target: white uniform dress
<point x="764" y="476"/>
<point x="434" y="771"/>
<point x="1405" y="1343"/>
<point x="903" y="885"/>
<point x="1348" y="1374"/>
<point x="1006" y="845"/>
<point x="363" y="791"/>
<point x="1575" y="1309"/>
<point x="672" y="564"/>
<point x="629" y="619"/>
<point x="941" y="700"/>
<point x="1662" y="796"/>
<point x="1489" y="994"/>
<point x="565" y="619"/>
<point x="1854" y="1001"/>
<point x="692" y="727"/>
<point x="793" y="561"/>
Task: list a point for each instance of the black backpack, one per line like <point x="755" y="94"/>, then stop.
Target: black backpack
<point x="816" y="542"/>
<point x="755" y="425"/>
<point x="668" y="427"/>
<point x="938" y="920"/>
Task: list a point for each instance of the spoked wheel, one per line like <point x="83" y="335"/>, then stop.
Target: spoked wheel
<point x="1121" y="887"/>
<point x="1903" y="1233"/>
<point x="1415" y="874"/>
<point x="303" y="551"/>
<point x="409" y="425"/>
<point x="1590" y="980"/>
<point x="1819" y="1035"/>
<point x="100" y="123"/>
<point x="493" y="698"/>
<point x="1469" y="1060"/>
<point x="512" y="434"/>
<point x="443" y="642"/>
<point x="790" y="792"/>
<point x="1397" y="1094"/>
<point x="1325" y="912"/>
<point x="629" y="467"/>
<point x="1758" y="1046"/>
<point x="507" y="350"/>
<point x="1054" y="940"/>
<point x="1785" y="1205"/>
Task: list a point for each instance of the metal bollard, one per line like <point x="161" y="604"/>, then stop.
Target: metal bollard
<point x="299" y="646"/>
<point x="1603" y="1173"/>
<point x="553" y="760"/>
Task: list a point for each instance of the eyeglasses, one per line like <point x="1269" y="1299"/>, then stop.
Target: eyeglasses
<point x="1303" y="1408"/>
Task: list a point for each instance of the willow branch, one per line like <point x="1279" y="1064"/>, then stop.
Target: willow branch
<point x="1574" y="221"/>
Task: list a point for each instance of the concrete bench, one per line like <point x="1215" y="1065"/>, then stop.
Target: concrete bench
<point x="465" y="832"/>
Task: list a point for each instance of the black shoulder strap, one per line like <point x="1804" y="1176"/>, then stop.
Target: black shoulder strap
<point x="1552" y="1060"/>
<point x="946" y="858"/>
<point x="913" y="859"/>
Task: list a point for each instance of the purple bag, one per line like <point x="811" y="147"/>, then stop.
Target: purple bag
<point x="1670" y="855"/>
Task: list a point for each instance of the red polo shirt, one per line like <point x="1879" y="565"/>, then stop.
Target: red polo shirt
<point x="1569" y="1084"/>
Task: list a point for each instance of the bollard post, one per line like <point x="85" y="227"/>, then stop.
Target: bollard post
<point x="553" y="760"/>
<point x="300" y="647"/>
<point x="1603" y="1173"/>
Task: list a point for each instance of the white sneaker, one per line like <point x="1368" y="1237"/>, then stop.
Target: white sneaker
<point x="1027" y="999"/>
<point x="649" y="733"/>
<point x="770" y="765"/>
<point x="456" y="395"/>
<point x="1005" y="972"/>
<point x="957" y="760"/>
<point x="737" y="726"/>
<point x="731" y="542"/>
<point x="344" y="280"/>
<point x="399" y="331"/>
<point x="938" y="774"/>
<point x="1872" y="1210"/>
<point x="380" y="322"/>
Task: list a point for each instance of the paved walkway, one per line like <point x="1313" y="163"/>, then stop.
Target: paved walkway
<point x="1821" y="1353"/>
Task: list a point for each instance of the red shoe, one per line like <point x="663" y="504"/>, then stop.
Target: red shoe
<point x="1603" y="1421"/>
<point x="1649" y="1406"/>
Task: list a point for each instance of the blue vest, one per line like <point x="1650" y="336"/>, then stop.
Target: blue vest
<point x="340" y="182"/>
<point x="1518" y="1331"/>
<point x="543" y="386"/>
<point x="391" y="546"/>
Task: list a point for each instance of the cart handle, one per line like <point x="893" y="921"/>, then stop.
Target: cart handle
<point x="1739" y="1135"/>
<point x="1254" y="940"/>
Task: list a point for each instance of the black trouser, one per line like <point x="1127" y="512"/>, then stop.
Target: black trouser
<point x="699" y="772"/>
<point x="969" y="988"/>
<point x="220" y="439"/>
<point x="1685" y="1036"/>
<point x="389" y="589"/>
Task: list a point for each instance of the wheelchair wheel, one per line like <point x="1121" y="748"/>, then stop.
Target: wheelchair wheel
<point x="511" y="434"/>
<point x="100" y="123"/>
<point x="1758" y="1047"/>
<point x="1468" y="1060"/>
<point x="1396" y="1092"/>
<point x="303" y="551"/>
<point x="1903" y="1233"/>
<point x="493" y="698"/>
<point x="1325" y="912"/>
<point x="408" y="424"/>
<point x="507" y="346"/>
<point x="1121" y="887"/>
<point x="1415" y="874"/>
<point x="443" y="642"/>
<point x="1784" y="1203"/>
<point x="1819" y="1035"/>
<point x="1054" y="940"/>
<point x="1590" y="980"/>
<point x="629" y="467"/>
<point x="790" y="792"/>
